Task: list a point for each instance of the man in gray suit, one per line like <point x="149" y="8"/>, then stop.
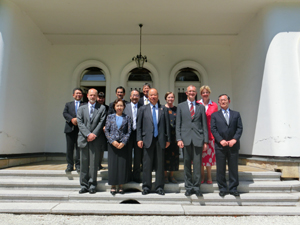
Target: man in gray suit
<point x="131" y="110"/>
<point x="153" y="134"/>
<point x="192" y="136"/>
<point x="90" y="119"/>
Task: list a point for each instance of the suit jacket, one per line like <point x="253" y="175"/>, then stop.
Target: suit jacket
<point x="191" y="130"/>
<point x="69" y="113"/>
<point x="106" y="108"/>
<point x="102" y="135"/>
<point x="111" y="109"/>
<point x="113" y="133"/>
<point x="128" y="110"/>
<point x="222" y="131"/>
<point x="93" y="125"/>
<point x="145" y="127"/>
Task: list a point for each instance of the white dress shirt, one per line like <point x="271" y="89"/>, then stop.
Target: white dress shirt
<point x="206" y="106"/>
<point x="146" y="101"/>
<point x="134" y="116"/>
<point x="228" y="111"/>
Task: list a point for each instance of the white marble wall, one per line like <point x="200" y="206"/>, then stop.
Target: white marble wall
<point x="23" y="72"/>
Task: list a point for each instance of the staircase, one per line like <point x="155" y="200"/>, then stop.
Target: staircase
<point x="47" y="191"/>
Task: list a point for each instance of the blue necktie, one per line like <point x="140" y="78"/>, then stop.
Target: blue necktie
<point x="76" y="107"/>
<point x="154" y="122"/>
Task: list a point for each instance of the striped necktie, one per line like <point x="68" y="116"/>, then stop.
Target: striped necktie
<point x="192" y="111"/>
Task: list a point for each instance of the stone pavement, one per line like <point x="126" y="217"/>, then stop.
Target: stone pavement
<point x="24" y="219"/>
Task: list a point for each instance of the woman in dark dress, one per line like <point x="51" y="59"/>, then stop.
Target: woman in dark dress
<point x="172" y="152"/>
<point x="117" y="132"/>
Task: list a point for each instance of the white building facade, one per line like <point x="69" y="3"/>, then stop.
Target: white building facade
<point x="256" y="63"/>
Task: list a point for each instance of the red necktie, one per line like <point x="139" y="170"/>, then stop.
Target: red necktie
<point x="192" y="111"/>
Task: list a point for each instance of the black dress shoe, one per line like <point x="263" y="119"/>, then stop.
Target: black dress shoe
<point x="121" y="191"/>
<point x="222" y="193"/>
<point x="198" y="193"/>
<point x="83" y="190"/>
<point x="235" y="193"/>
<point x="188" y="192"/>
<point x="69" y="169"/>
<point x="113" y="192"/>
<point x="160" y="192"/>
<point x="145" y="192"/>
<point x="92" y="191"/>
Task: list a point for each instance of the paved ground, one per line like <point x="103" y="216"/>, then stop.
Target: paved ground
<point x="160" y="220"/>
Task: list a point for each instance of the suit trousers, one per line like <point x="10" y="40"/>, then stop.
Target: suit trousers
<point x="103" y="148"/>
<point x="154" y="154"/>
<point x="137" y="161"/>
<point x="71" y="139"/>
<point x="89" y="161"/>
<point x="192" y="153"/>
<point x="232" y="156"/>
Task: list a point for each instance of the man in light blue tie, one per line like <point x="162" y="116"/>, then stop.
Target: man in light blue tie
<point x="153" y="135"/>
<point x="227" y="129"/>
<point x="71" y="130"/>
<point x="131" y="110"/>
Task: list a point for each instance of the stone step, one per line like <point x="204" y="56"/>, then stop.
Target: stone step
<point x="246" y="199"/>
<point x="61" y="208"/>
<point x="245" y="186"/>
<point x="103" y="174"/>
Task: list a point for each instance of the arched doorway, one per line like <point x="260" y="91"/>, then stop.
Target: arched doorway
<point x="137" y="77"/>
<point x="185" y="77"/>
<point x="95" y="72"/>
<point x="184" y="74"/>
<point x="126" y="72"/>
<point x="92" y="77"/>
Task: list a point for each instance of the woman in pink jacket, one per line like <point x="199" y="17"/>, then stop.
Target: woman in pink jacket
<point x="208" y="157"/>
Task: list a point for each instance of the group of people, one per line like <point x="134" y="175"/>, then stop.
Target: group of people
<point x="154" y="133"/>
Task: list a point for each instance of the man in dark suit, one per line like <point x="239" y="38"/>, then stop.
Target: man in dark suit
<point x="153" y="135"/>
<point x="192" y="136"/>
<point x="131" y="110"/>
<point x="103" y="147"/>
<point x="145" y="100"/>
<point x="90" y="118"/>
<point x="227" y="128"/>
<point x="120" y="93"/>
<point x="71" y="130"/>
